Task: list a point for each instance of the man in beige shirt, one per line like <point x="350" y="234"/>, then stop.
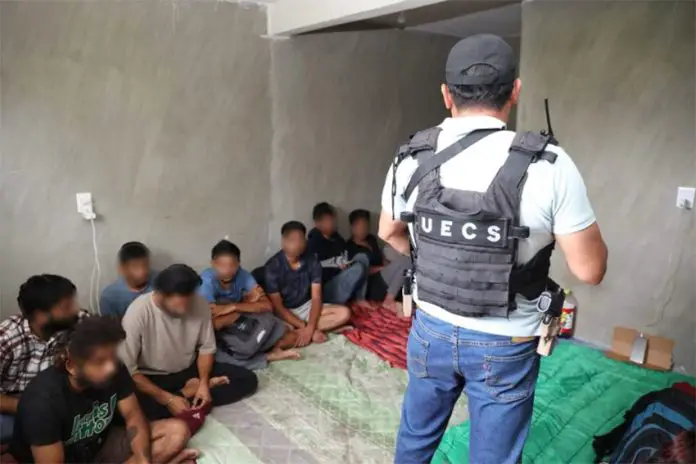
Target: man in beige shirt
<point x="170" y="346"/>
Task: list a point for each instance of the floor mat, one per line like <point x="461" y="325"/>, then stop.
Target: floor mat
<point x="339" y="404"/>
<point x="382" y="332"/>
<point x="580" y="393"/>
<point x="217" y="443"/>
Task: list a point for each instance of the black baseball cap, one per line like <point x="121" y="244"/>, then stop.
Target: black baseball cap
<point x="482" y="49"/>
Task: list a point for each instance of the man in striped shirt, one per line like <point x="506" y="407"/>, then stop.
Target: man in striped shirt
<point x="28" y="341"/>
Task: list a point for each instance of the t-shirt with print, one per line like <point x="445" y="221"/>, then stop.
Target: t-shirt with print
<point x="214" y="292"/>
<point x="326" y="249"/>
<point x="294" y="285"/>
<point x="554" y="202"/>
<point x="51" y="410"/>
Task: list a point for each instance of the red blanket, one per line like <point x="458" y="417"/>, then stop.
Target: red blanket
<point x="382" y="332"/>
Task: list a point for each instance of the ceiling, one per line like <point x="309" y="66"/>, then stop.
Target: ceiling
<point x="458" y="18"/>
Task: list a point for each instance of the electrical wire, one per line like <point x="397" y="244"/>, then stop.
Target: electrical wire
<point x="96" y="272"/>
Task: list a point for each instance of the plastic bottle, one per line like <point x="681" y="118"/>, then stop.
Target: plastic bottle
<point x="568" y="312"/>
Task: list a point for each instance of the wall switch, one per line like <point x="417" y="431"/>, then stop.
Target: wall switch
<point x="685" y="197"/>
<point x="85" y="206"/>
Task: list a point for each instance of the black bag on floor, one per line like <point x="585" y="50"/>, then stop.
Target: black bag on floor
<point x="247" y="336"/>
<point x="649" y="427"/>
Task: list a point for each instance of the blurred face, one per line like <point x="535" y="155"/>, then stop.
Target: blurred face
<point x="176" y="305"/>
<point x="360" y="228"/>
<point x="226" y="267"/>
<point x="294" y="243"/>
<point x="98" y="370"/>
<point x="136" y="272"/>
<point x="326" y="224"/>
<point x="60" y="317"/>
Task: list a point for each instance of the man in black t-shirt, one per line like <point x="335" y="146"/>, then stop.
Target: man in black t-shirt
<point x="343" y="279"/>
<point x="67" y="412"/>
<point x="293" y="283"/>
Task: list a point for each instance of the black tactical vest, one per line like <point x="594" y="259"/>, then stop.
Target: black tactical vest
<point x="466" y="242"/>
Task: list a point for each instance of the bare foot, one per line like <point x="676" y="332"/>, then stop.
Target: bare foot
<point x="216" y="381"/>
<point x="188" y="455"/>
<point x="280" y="355"/>
<point x="319" y="337"/>
<point x="190" y="387"/>
<point x="343" y="328"/>
<point x="390" y="303"/>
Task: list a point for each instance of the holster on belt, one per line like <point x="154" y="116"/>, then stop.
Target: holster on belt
<point x="550" y="303"/>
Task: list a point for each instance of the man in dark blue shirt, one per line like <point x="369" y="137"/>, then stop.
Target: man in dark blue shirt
<point x="135" y="279"/>
<point x="343" y="279"/>
<point x="293" y="279"/>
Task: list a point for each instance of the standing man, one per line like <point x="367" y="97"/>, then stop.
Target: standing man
<point x="28" y="341"/>
<point x="170" y="350"/>
<point x="484" y="214"/>
<point x="135" y="278"/>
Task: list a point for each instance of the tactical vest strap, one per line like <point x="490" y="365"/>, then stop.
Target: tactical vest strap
<point x="424" y="140"/>
<point x="526" y="148"/>
<point x="434" y="162"/>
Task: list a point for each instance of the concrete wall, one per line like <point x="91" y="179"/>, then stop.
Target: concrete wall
<point x="620" y="77"/>
<point x="342" y="103"/>
<point x="163" y="111"/>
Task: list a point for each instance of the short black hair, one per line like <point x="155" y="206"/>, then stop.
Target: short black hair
<point x="322" y="209"/>
<point x="131" y="251"/>
<point x="226" y="248"/>
<point x="177" y="279"/>
<point x="93" y="332"/>
<point x="358" y="214"/>
<point x="293" y="226"/>
<point x="493" y="96"/>
<point x="42" y="292"/>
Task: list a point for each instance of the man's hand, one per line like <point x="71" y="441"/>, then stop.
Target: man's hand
<point x="202" y="396"/>
<point x="221" y="310"/>
<point x="319" y="337"/>
<point x="177" y="405"/>
<point x="304" y="336"/>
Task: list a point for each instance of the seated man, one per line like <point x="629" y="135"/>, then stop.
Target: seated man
<point x="66" y="413"/>
<point x="134" y="280"/>
<point x="247" y="332"/>
<point x="385" y="278"/>
<point x="293" y="283"/>
<point x="342" y="279"/>
<point x="170" y="347"/>
<point x="28" y="341"/>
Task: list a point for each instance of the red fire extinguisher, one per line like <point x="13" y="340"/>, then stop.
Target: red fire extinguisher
<point x="570" y="306"/>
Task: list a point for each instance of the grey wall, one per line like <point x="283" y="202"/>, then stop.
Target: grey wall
<point x="165" y="111"/>
<point x="342" y="103"/>
<point x="160" y="110"/>
<point x="620" y="76"/>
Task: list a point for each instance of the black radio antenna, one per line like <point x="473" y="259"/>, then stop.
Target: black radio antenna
<point x="548" y="117"/>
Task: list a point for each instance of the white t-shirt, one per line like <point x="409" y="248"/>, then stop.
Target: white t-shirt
<point x="554" y="202"/>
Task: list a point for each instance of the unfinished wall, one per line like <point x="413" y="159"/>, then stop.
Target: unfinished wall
<point x="342" y="103"/>
<point x="163" y="111"/>
<point x="160" y="109"/>
<point x="620" y="77"/>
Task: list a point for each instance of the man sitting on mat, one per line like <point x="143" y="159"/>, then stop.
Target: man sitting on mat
<point x="66" y="413"/>
<point x="28" y="341"/>
<point x="385" y="278"/>
<point x="170" y="348"/>
<point x="342" y="279"/>
<point x="293" y="282"/>
<point x="248" y="334"/>
<point x="135" y="279"/>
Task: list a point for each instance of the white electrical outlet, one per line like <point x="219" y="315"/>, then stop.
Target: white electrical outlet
<point x="685" y="197"/>
<point x="85" y="206"/>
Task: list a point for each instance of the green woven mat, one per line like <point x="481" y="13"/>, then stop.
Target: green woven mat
<point x="580" y="394"/>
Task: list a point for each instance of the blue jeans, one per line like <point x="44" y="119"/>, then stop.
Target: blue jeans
<point x="351" y="283"/>
<point x="499" y="376"/>
<point x="6" y="427"/>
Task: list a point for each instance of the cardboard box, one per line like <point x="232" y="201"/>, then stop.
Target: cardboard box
<point x="658" y="354"/>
